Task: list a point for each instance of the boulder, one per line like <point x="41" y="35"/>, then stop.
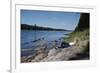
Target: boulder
<point x="39" y="57"/>
<point x="52" y="52"/>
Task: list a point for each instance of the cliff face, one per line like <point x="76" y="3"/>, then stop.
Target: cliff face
<point x="83" y="22"/>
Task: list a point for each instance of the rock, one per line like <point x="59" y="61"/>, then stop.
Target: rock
<point x="60" y="54"/>
<point x="52" y="55"/>
<point x="40" y="50"/>
<point x="39" y="57"/>
<point x="52" y="52"/>
<point x="23" y="59"/>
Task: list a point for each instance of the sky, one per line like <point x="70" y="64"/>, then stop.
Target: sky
<point x="53" y="19"/>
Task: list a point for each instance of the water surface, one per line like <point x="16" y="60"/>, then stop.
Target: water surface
<point x="31" y="39"/>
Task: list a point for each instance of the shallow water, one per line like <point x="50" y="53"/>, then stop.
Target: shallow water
<point x="33" y="39"/>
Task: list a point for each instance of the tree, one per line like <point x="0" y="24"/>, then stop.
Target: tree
<point x="83" y="22"/>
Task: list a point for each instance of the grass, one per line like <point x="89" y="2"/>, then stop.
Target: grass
<point x="82" y="35"/>
<point x="83" y="43"/>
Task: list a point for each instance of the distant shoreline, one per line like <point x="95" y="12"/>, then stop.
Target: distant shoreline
<point x="35" y="27"/>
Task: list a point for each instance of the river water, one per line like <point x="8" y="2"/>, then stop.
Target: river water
<point x="31" y="39"/>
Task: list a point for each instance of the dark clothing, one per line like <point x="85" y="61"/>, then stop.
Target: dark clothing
<point x="64" y="45"/>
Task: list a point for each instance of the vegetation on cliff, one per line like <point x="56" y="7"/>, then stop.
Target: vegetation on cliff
<point x="82" y="34"/>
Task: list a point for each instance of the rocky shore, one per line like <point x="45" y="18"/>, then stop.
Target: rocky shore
<point x="56" y="54"/>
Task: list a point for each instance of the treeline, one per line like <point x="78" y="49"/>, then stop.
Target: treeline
<point x="35" y="27"/>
